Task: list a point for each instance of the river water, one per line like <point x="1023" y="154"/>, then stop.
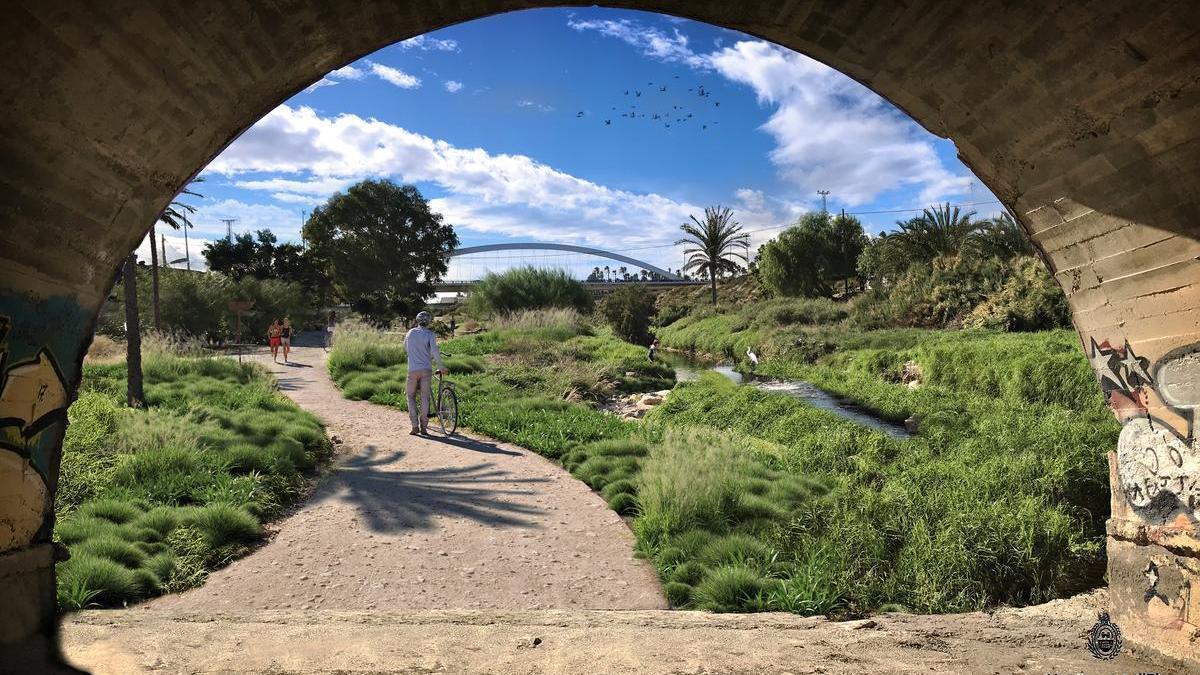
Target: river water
<point x="687" y="369"/>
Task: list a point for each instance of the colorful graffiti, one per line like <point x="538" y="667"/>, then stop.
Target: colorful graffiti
<point x="1158" y="462"/>
<point x="36" y="338"/>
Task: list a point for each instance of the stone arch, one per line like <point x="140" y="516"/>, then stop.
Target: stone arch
<point x="565" y="247"/>
<point x="1084" y="118"/>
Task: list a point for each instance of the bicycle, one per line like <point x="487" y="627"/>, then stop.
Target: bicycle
<point x="447" y="404"/>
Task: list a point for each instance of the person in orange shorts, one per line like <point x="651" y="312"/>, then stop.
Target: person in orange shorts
<point x="274" y="331"/>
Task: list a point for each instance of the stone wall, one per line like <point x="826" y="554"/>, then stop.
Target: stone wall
<point x="1083" y="117"/>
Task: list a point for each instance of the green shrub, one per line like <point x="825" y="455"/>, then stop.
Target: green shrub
<point x="222" y="525"/>
<point x="76" y="529"/>
<point x="931" y="296"/>
<point x="689" y="572"/>
<point x="689" y="481"/>
<point x="1030" y="299"/>
<point x="623" y="503"/>
<point x="624" y="486"/>
<point x="112" y="510"/>
<point x="729" y="588"/>
<point x="678" y="594"/>
<point x="737" y="549"/>
<point x="100" y="580"/>
<point x="629" y="311"/>
<point x="524" y="288"/>
<point x="112" y="548"/>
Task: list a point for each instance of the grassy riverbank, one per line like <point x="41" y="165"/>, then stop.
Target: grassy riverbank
<point x="150" y="500"/>
<point x="747" y="500"/>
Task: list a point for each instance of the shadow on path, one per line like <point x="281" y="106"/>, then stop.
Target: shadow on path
<point x="289" y="383"/>
<point x="394" y="500"/>
<point x="473" y="444"/>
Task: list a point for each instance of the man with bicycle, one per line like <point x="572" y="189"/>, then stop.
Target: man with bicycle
<point x="422" y="348"/>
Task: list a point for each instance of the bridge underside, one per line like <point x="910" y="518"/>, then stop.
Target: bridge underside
<point x="1084" y="118"/>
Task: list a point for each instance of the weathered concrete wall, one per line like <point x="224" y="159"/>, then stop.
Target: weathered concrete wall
<point x="1084" y="117"/>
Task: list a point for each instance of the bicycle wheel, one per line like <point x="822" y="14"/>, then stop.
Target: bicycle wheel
<point x="447" y="411"/>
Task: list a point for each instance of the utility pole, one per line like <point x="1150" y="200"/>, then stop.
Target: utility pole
<point x="186" y="252"/>
<point x="303" y="220"/>
<point x="229" y="227"/>
<point x="823" y="193"/>
<point x="164" y="249"/>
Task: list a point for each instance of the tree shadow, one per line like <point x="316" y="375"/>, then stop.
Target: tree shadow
<point x="293" y="364"/>
<point x="474" y="445"/>
<point x="289" y="383"/>
<point x="390" y="500"/>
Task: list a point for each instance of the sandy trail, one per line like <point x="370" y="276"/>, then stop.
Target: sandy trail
<point x="406" y="523"/>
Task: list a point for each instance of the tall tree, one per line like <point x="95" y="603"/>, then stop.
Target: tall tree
<point x="381" y="246"/>
<point x="810" y="257"/>
<point x="715" y="245"/>
<point x="173" y="217"/>
<point x="134" y="393"/>
<point x="242" y="256"/>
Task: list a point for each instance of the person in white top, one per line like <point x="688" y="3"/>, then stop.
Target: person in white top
<point x="422" y="348"/>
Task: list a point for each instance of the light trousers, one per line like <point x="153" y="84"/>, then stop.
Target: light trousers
<point x="421" y="380"/>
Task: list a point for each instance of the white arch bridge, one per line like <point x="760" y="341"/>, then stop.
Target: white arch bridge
<point x="662" y="277"/>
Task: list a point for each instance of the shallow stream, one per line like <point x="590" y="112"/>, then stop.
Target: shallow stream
<point x="687" y="369"/>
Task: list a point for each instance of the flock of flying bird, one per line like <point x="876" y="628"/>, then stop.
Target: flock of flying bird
<point x="678" y="114"/>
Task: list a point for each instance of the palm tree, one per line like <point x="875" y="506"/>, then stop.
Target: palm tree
<point x="174" y="216"/>
<point x="940" y="230"/>
<point x="1001" y="237"/>
<point x="713" y="245"/>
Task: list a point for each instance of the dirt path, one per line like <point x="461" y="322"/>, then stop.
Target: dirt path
<point x="1045" y="639"/>
<point x="429" y="523"/>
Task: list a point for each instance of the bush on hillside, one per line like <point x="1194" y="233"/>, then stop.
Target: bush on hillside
<point x="629" y="311"/>
<point x="527" y="288"/>
<point x="935" y="296"/>
<point x="1029" y="300"/>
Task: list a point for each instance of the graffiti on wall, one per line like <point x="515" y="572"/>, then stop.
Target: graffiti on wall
<point x="1158" y="461"/>
<point x="36" y="338"/>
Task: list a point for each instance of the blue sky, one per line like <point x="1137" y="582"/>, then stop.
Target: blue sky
<point x="518" y="127"/>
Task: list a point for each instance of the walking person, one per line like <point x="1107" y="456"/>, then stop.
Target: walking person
<point x="654" y="349"/>
<point x="285" y="337"/>
<point x="273" y="333"/>
<point x="329" y="326"/>
<point x="421" y="344"/>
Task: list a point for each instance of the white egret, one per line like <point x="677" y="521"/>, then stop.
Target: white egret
<point x="753" y="357"/>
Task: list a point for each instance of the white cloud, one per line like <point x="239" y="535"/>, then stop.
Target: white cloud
<point x="323" y="82"/>
<point x="426" y="43"/>
<point x="830" y="132"/>
<point x="395" y="76"/>
<point x="453" y="86"/>
<point x="751" y="199"/>
<point x="348" y="73"/>
<point x="534" y="105"/>
<point x="513" y="195"/>
<point x="332" y="78"/>
<point x="175" y="247"/>
<point x="650" y="40"/>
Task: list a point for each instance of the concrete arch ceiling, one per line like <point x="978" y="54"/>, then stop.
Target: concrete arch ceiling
<point x="469" y="250"/>
<point x="1083" y="117"/>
